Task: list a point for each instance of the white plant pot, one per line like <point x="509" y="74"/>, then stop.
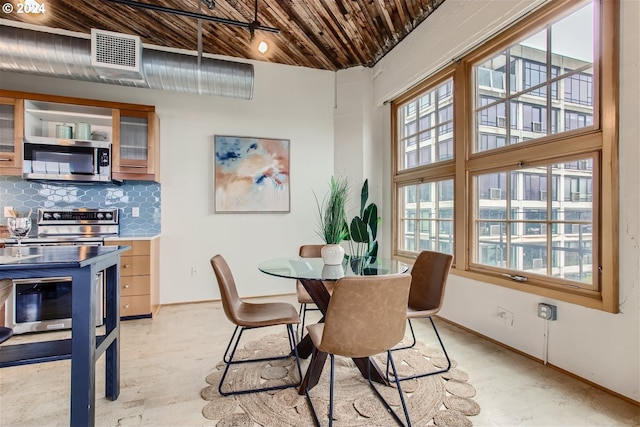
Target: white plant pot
<point x="332" y="254"/>
<point x="332" y="272"/>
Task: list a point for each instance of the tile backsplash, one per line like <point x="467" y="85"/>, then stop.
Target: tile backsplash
<point x="24" y="195"/>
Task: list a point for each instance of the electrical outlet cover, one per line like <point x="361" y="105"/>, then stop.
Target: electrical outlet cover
<point x="547" y="311"/>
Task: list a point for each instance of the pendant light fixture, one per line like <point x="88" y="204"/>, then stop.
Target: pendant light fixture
<point x="262" y="46"/>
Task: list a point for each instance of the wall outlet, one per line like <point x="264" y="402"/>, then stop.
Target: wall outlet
<point x="505" y="315"/>
<point x="194" y="271"/>
<point x="7" y="211"/>
<point x="547" y="311"/>
<point x="135" y="212"/>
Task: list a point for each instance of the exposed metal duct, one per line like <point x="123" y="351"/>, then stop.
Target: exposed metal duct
<point x="54" y="55"/>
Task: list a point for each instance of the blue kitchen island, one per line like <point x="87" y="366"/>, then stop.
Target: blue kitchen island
<point x="85" y="346"/>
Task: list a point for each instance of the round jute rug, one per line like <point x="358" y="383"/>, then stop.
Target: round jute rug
<point x="442" y="400"/>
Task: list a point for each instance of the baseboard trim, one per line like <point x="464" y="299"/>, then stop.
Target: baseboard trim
<point x="528" y="356"/>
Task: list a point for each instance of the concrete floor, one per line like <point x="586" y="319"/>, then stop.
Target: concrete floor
<point x="164" y="363"/>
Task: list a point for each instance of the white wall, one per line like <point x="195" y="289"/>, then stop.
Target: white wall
<point x="598" y="346"/>
<point x="361" y="146"/>
<point x="289" y="102"/>
<point x="359" y="132"/>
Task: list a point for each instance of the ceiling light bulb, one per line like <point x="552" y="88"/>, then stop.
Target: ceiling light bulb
<point x="263" y="47"/>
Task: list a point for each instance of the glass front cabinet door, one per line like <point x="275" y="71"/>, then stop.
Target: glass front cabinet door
<point x="11" y="131"/>
<point x="135" y="148"/>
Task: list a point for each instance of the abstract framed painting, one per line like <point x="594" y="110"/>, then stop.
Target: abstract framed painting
<point x="251" y="174"/>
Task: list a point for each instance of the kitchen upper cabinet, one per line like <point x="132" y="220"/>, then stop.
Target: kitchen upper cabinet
<point x="135" y="149"/>
<point x="132" y="129"/>
<point x="11" y="133"/>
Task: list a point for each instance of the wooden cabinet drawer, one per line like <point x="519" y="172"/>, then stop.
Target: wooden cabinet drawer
<point x="135" y="285"/>
<point x="135" y="265"/>
<point x="135" y="305"/>
<point x="138" y="247"/>
<point x="139" y="271"/>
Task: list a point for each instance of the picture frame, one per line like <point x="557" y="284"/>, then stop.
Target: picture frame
<point x="251" y="174"/>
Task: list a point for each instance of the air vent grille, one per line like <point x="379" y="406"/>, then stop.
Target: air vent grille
<point x="118" y="53"/>
<point x="115" y="50"/>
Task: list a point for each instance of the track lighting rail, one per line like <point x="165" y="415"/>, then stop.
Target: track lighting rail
<point x="249" y="25"/>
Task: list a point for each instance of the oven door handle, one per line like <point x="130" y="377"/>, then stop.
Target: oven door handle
<point x="42" y="280"/>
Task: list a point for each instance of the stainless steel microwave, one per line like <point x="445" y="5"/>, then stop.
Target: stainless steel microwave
<point x="66" y="160"/>
<point x="44" y="304"/>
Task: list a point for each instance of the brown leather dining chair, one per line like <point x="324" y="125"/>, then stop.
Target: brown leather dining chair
<point x="428" y="281"/>
<point x="247" y="315"/>
<point x="366" y="316"/>
<point x="304" y="299"/>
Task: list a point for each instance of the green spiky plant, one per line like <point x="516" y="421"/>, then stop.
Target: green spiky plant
<point x="332" y="217"/>
<point x="364" y="230"/>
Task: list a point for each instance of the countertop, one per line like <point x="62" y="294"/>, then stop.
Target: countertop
<point x="114" y="238"/>
<point x="55" y="256"/>
<point x="117" y="238"/>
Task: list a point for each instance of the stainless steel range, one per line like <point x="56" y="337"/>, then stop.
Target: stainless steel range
<point x="45" y="304"/>
<point x="80" y="226"/>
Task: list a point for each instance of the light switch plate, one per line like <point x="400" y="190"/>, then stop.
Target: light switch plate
<point x="135" y="212"/>
<point x="7" y="211"/>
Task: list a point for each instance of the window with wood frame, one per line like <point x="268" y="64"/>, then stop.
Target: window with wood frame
<point x="508" y="159"/>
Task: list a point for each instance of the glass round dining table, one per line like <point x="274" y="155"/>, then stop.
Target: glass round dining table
<point x="312" y="272"/>
<point x="315" y="269"/>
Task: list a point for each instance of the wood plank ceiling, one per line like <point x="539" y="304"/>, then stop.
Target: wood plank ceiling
<point x="321" y="34"/>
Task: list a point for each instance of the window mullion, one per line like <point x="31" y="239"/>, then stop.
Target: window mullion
<point x="548" y="85"/>
<point x="462" y="131"/>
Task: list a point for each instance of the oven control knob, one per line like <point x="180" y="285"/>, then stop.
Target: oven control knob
<point x="108" y="215"/>
<point x="100" y="215"/>
<point x="57" y="216"/>
<point x="46" y="215"/>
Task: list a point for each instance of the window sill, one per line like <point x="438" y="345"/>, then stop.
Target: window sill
<point x="588" y="299"/>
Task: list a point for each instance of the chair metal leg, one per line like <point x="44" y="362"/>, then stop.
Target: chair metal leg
<point x="293" y="344"/>
<point x="226" y="352"/>
<point x="229" y="361"/>
<point x="331" y="382"/>
<point x="378" y="394"/>
<point x="399" y="387"/>
<point x="316" y="421"/>
<point x="302" y="313"/>
<point x="413" y="337"/>
<point x="425" y="374"/>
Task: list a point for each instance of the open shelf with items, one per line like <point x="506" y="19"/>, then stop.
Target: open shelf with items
<point x="42" y="119"/>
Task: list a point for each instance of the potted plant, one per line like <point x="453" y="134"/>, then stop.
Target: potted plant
<point x="333" y="221"/>
<point x="363" y="231"/>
